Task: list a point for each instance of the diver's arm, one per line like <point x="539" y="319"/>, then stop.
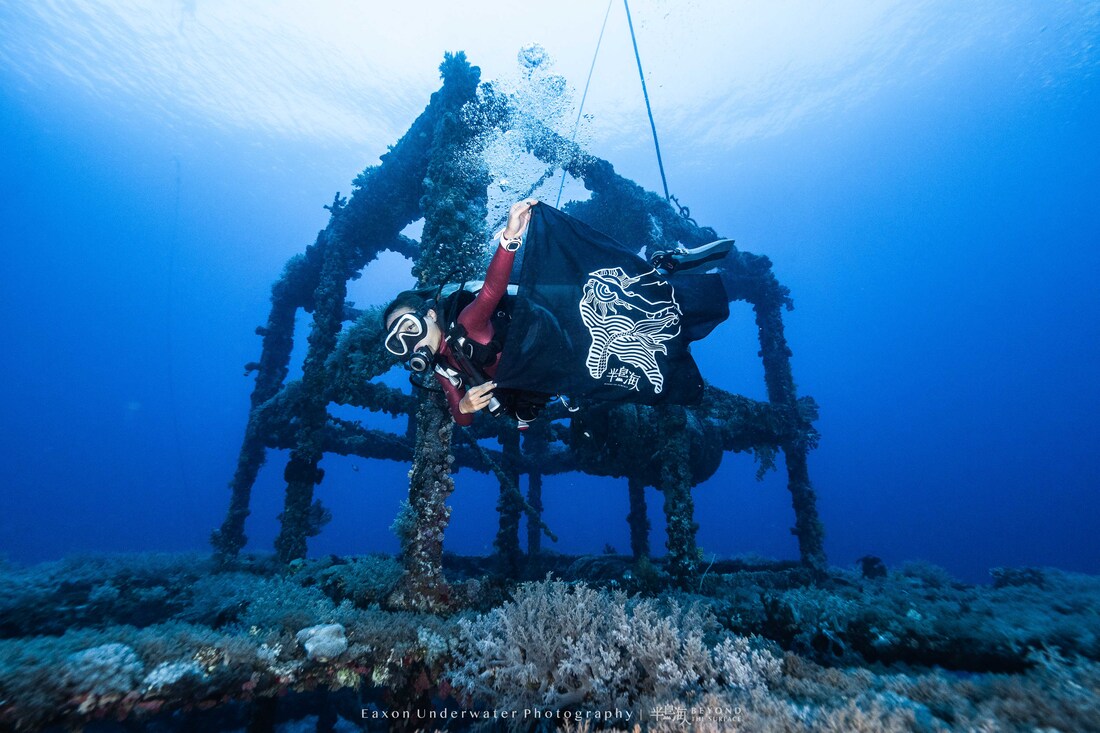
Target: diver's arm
<point x="454" y="397"/>
<point x="475" y="317"/>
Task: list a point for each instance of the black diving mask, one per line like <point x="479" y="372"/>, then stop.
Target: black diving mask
<point x="401" y="339"/>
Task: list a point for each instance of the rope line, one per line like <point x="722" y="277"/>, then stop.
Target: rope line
<point x="648" y="109"/>
<point x="507" y="485"/>
<point x="584" y="96"/>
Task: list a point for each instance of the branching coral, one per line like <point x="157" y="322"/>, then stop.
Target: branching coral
<point x="557" y="646"/>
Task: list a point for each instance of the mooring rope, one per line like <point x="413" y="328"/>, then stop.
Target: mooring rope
<point x="648" y="109"/>
<point x="684" y="212"/>
<point x="584" y="96"/>
<point x="507" y="484"/>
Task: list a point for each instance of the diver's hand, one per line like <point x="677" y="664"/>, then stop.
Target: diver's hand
<point x="476" y="398"/>
<point x="519" y="216"/>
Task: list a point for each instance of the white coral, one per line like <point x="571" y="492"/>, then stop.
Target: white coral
<point x="166" y="674"/>
<point x="323" y="642"/>
<point x="109" y="669"/>
<point x="560" y="646"/>
<point x="740" y="665"/>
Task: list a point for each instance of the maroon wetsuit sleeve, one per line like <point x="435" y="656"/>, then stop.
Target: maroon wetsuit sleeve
<point x="475" y="317"/>
<point x="454" y="396"/>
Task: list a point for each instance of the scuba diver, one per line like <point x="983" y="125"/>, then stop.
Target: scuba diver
<point x="638" y="330"/>
<point x="463" y="346"/>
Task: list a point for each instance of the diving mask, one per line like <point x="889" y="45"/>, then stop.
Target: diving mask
<point x="406" y="330"/>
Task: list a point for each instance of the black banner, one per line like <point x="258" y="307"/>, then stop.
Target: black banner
<point x="594" y="320"/>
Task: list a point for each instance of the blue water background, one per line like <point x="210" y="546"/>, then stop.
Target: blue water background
<point x="941" y="240"/>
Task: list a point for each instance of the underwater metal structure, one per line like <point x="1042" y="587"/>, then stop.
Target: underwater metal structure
<point x="426" y="174"/>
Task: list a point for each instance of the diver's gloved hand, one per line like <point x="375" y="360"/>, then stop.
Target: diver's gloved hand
<point x="519" y="216"/>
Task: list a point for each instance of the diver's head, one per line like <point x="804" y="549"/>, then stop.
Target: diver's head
<point x="411" y="330"/>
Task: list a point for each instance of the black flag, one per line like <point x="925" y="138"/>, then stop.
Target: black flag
<point x="593" y="319"/>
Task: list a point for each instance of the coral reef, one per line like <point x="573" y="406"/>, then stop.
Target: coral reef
<point x="557" y="646"/>
<point x="103" y="674"/>
<point x="763" y="647"/>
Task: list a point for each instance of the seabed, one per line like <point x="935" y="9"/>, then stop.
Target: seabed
<point x="180" y="643"/>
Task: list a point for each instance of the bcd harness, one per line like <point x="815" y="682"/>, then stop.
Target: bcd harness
<point x="474" y="358"/>
<point x="480" y="355"/>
